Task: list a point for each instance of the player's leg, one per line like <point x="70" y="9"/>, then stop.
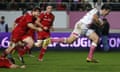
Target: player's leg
<point x="69" y="40"/>
<point x="74" y="35"/>
<point x="10" y="57"/>
<point x="5" y="62"/>
<point x="9" y="64"/>
<point x="30" y="53"/>
<point x="44" y="48"/>
<point x="95" y="38"/>
<point x="38" y="43"/>
<point x="9" y="49"/>
<point x="28" y="44"/>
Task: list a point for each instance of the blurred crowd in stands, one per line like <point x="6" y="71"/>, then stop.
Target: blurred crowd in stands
<point x="72" y="5"/>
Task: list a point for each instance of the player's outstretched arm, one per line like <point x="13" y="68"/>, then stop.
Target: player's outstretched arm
<point x="97" y="20"/>
<point x="30" y="25"/>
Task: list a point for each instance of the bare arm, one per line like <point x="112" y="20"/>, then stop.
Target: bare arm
<point x="30" y="25"/>
<point x="40" y="25"/>
<point x="38" y="22"/>
<point x="97" y="20"/>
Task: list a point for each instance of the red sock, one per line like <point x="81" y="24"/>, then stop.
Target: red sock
<point x="23" y="50"/>
<point x="42" y="52"/>
<point x="91" y="52"/>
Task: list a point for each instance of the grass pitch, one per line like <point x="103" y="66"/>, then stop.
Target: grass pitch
<point x="67" y="61"/>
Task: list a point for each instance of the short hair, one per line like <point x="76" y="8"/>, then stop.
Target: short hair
<point x="2" y="17"/>
<point x="36" y="8"/>
<point x="48" y="5"/>
<point x="106" y="7"/>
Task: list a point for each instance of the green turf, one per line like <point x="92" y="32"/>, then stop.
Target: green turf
<point x="67" y="61"/>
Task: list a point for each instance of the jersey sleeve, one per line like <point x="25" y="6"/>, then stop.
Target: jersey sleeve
<point x="18" y="19"/>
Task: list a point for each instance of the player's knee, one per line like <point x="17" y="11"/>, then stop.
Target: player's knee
<point x="46" y="42"/>
<point x="38" y="44"/>
<point x="30" y="44"/>
<point x="29" y="41"/>
<point x="96" y="39"/>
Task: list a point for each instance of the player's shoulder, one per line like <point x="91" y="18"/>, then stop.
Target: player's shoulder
<point x="94" y="10"/>
<point x="52" y="14"/>
<point x="18" y="18"/>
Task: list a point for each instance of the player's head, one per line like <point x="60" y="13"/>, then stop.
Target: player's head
<point x="36" y="11"/>
<point x="2" y="19"/>
<point x="105" y="10"/>
<point x="49" y="8"/>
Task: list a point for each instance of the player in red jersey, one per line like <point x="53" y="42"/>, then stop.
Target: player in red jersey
<point x="16" y="22"/>
<point x="20" y="34"/>
<point x="45" y="21"/>
<point x="6" y="63"/>
<point x="30" y="32"/>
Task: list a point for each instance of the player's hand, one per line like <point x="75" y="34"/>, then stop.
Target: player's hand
<point x="45" y="28"/>
<point x="39" y="29"/>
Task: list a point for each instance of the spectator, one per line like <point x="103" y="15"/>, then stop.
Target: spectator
<point x="108" y="1"/>
<point x="116" y="5"/>
<point x="43" y="4"/>
<point x="94" y="1"/>
<point x="104" y="0"/>
<point x="3" y="5"/>
<point x="116" y="1"/>
<point x="22" y="5"/>
<point x="61" y="6"/>
<point x="13" y="5"/>
<point x="70" y="7"/>
<point x="58" y="0"/>
<point x="65" y="0"/>
<point x="32" y="0"/>
<point x="30" y="5"/>
<point x="76" y="4"/>
<point x="3" y="25"/>
<point x="52" y="3"/>
<point x="87" y="6"/>
<point x="98" y="4"/>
